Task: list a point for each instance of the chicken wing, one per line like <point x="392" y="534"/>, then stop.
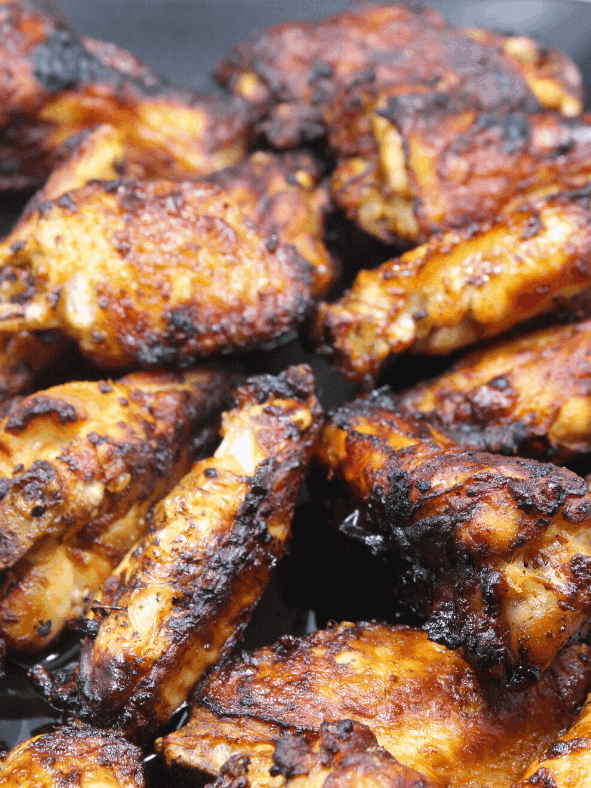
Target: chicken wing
<point x="293" y="73"/>
<point x="76" y="757"/>
<point x="82" y="465"/>
<point x="341" y="754"/>
<point x="179" y="601"/>
<point x="411" y="165"/>
<point x="425" y="705"/>
<point x="495" y="551"/>
<point x="23" y="356"/>
<point x="151" y="273"/>
<point x="283" y="197"/>
<point x="529" y="396"/>
<point x="567" y="762"/>
<point x="463" y="286"/>
<point x="54" y="84"/>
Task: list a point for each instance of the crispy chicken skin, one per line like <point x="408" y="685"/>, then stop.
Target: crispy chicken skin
<point x="180" y="601"/>
<point x="283" y="196"/>
<point x="82" y="465"/>
<point x="463" y="286"/>
<point x="342" y="754"/>
<point x="151" y="273"/>
<point x="426" y="706"/>
<point x="76" y="757"/>
<point x="495" y="551"/>
<point x="567" y="762"/>
<point x="294" y="73"/>
<point x="54" y="84"/>
<point x="411" y="165"/>
<point x="529" y="396"/>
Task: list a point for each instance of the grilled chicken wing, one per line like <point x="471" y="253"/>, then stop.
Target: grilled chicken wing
<point x="294" y="73"/>
<point x="462" y="286"/>
<point x="180" y="601"/>
<point x="283" y="197"/>
<point x="82" y="465"/>
<point x="496" y="551"/>
<point x="54" y="84"/>
<point x="76" y="757"/>
<point x="23" y="356"/>
<point x="426" y="706"/>
<point x="529" y="396"/>
<point x="567" y="762"/>
<point x="411" y="165"/>
<point x="151" y="273"/>
<point x="341" y="754"/>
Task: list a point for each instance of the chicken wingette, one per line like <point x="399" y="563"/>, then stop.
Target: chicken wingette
<point x="151" y="273"/>
<point x="426" y="706"/>
<point x="494" y="551"/>
<point x="529" y="396"/>
<point x="295" y="72"/>
<point x="82" y="465"/>
<point x="181" y="599"/>
<point x="54" y="84"/>
<point x="462" y="286"/>
<point x="411" y="165"/>
<point x="73" y="757"/>
<point x="567" y="761"/>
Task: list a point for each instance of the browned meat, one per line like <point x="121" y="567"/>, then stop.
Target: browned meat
<point x="294" y="73"/>
<point x="495" y="551"/>
<point x="54" y="84"/>
<point x="82" y="465"/>
<point x="463" y="286"/>
<point x="426" y="706"/>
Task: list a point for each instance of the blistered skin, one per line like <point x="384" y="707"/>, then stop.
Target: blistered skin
<point x="495" y="551"/>
<point x="294" y="73"/>
<point x="414" y="164"/>
<point x="82" y="465"/>
<point x="425" y="705"/>
<point x="462" y="286"/>
<point x="567" y="761"/>
<point x="54" y="84"/>
<point x="180" y="601"/>
<point x="283" y="196"/>
<point x="151" y="273"/>
<point x="528" y="396"/>
<point x="77" y="757"/>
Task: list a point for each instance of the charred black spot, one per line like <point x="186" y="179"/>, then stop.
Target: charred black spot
<point x="561" y="748"/>
<point x="182" y="322"/>
<point x="542" y="779"/>
<point x="533" y="226"/>
<point x="41" y="405"/>
<point x="320" y="69"/>
<point x="291" y="757"/>
<point x="37" y="511"/>
<point x="515" y="131"/>
<point x="65" y="201"/>
<point x="105" y="388"/>
<point x="44" y="628"/>
<point x="211" y="473"/>
<point x="580" y="566"/>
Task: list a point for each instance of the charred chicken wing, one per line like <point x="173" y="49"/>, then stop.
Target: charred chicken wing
<point x="76" y="757"/>
<point x="529" y="396"/>
<point x="54" y="84"/>
<point x="180" y="601"/>
<point x="425" y="705"/>
<point x="294" y="73"/>
<point x="462" y="286"/>
<point x="151" y="273"/>
<point x="495" y="551"/>
<point x="82" y="465"/>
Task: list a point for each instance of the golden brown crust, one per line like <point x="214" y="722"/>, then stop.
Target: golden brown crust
<point x="462" y="286"/>
<point x="283" y="196"/>
<point x="294" y="72"/>
<point x="152" y="273"/>
<point x="55" y="84"/>
<point x="528" y="396"/>
<point x="426" y="706"/>
<point x="411" y="165"/>
<point x="493" y="550"/>
<point x="82" y="465"/>
<point x="73" y="756"/>
<point x="181" y="599"/>
<point x="567" y="762"/>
